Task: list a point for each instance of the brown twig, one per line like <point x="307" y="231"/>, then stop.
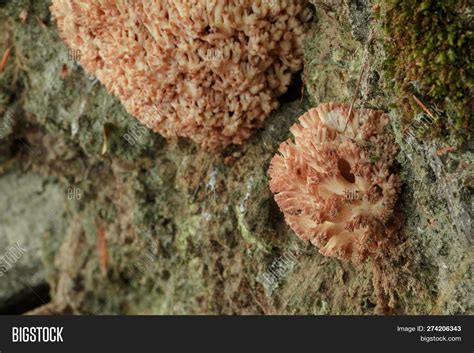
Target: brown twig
<point x="359" y="80"/>
<point x="41" y="23"/>
<point x="105" y="144"/>
<point x="362" y="69"/>
<point x="422" y="106"/>
<point x="5" y="57"/>
<point x="102" y="249"/>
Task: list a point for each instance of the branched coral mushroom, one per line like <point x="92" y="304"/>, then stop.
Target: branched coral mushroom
<point x="334" y="182"/>
<point x="210" y="70"/>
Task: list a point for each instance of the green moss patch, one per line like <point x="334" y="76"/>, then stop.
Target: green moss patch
<point x="429" y="49"/>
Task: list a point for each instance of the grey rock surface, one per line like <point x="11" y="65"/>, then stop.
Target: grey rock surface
<point x="31" y="226"/>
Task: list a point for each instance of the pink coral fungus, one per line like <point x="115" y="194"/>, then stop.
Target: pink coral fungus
<point x="210" y="70"/>
<point x="334" y="183"/>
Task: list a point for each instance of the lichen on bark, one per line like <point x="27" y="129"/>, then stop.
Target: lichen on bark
<point x="186" y="231"/>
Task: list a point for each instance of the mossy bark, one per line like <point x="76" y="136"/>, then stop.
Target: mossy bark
<point x="161" y="227"/>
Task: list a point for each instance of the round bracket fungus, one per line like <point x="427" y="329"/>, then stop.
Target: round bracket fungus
<point x="334" y="183"/>
<point x="210" y="70"/>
